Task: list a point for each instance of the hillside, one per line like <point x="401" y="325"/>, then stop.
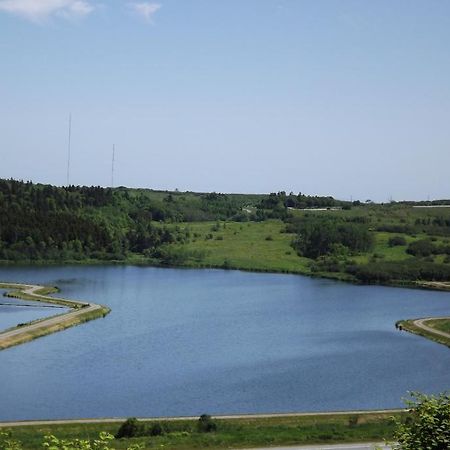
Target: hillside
<point x="392" y="243"/>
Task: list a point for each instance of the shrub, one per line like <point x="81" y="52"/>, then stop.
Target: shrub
<point x="156" y="429"/>
<point x="206" y="424"/>
<point x="353" y="421"/>
<point x="130" y="428"/>
<point x="396" y="240"/>
<point x="423" y="247"/>
<point x="427" y="425"/>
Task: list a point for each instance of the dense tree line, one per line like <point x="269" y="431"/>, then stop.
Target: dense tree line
<point x="54" y="223"/>
<point x="318" y="236"/>
<point x="77" y="222"/>
<point x="278" y="204"/>
<point x="299" y="201"/>
<point x="388" y="271"/>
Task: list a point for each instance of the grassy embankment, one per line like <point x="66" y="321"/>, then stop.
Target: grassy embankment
<point x="440" y="324"/>
<point x="232" y="433"/>
<point x="65" y="320"/>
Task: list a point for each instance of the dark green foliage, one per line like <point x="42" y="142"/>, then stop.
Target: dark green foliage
<point x="397" y="228"/>
<point x="206" y="424"/>
<point x="317" y="236"/>
<point x="387" y="271"/>
<point x="156" y="429"/>
<point x="130" y="428"/>
<point x="426" y="223"/>
<point x="423" y="247"/>
<point x="427" y="425"/>
<point x="133" y="428"/>
<point x="426" y="248"/>
<point x="276" y="205"/>
<point x="396" y="240"/>
<point x="327" y="264"/>
<point x="353" y="421"/>
<point x="41" y="222"/>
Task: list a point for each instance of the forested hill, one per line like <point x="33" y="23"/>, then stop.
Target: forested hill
<point x="371" y="243"/>
<point x="43" y="222"/>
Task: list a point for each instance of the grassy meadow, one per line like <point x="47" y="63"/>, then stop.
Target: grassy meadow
<point x="259" y="246"/>
<point x="266" y="245"/>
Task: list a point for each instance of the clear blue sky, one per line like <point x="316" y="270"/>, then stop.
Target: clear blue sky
<point x="340" y="97"/>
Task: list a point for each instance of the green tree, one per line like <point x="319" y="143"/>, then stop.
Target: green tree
<point x="423" y="247"/>
<point x="130" y="428"/>
<point x="206" y="424"/>
<point x="427" y="425"/>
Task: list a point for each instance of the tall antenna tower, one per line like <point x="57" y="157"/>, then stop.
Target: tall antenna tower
<point x="112" y="165"/>
<point x="68" y="149"/>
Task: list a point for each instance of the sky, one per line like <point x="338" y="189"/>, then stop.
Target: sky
<point x="349" y="98"/>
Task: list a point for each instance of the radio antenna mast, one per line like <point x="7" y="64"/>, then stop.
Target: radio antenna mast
<point x="112" y="165"/>
<point x="68" y="149"/>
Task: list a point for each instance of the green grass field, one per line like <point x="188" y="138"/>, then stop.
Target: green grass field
<point x="235" y="433"/>
<point x="265" y="246"/>
<point x="259" y="246"/>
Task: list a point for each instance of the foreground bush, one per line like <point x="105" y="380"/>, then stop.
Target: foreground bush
<point x="427" y="426"/>
<point x="53" y="443"/>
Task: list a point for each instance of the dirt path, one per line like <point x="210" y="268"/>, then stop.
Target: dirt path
<point x="420" y="323"/>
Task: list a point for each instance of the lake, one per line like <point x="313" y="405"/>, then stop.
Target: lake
<point x="187" y="342"/>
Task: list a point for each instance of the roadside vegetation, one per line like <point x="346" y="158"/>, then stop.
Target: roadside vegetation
<point x="425" y="424"/>
<point x="207" y="432"/>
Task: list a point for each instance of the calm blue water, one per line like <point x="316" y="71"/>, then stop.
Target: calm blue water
<point x="187" y="342"/>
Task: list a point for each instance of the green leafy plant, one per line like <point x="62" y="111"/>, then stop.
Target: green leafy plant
<point x="427" y="425"/>
<point x="7" y="443"/>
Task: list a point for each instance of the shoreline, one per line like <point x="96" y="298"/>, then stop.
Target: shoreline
<point x="103" y="420"/>
<point x="60" y="322"/>
<point x="79" y="313"/>
<point x="419" y="328"/>
<point x="406" y="324"/>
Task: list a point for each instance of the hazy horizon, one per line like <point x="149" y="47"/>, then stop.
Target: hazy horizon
<point x="343" y="98"/>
